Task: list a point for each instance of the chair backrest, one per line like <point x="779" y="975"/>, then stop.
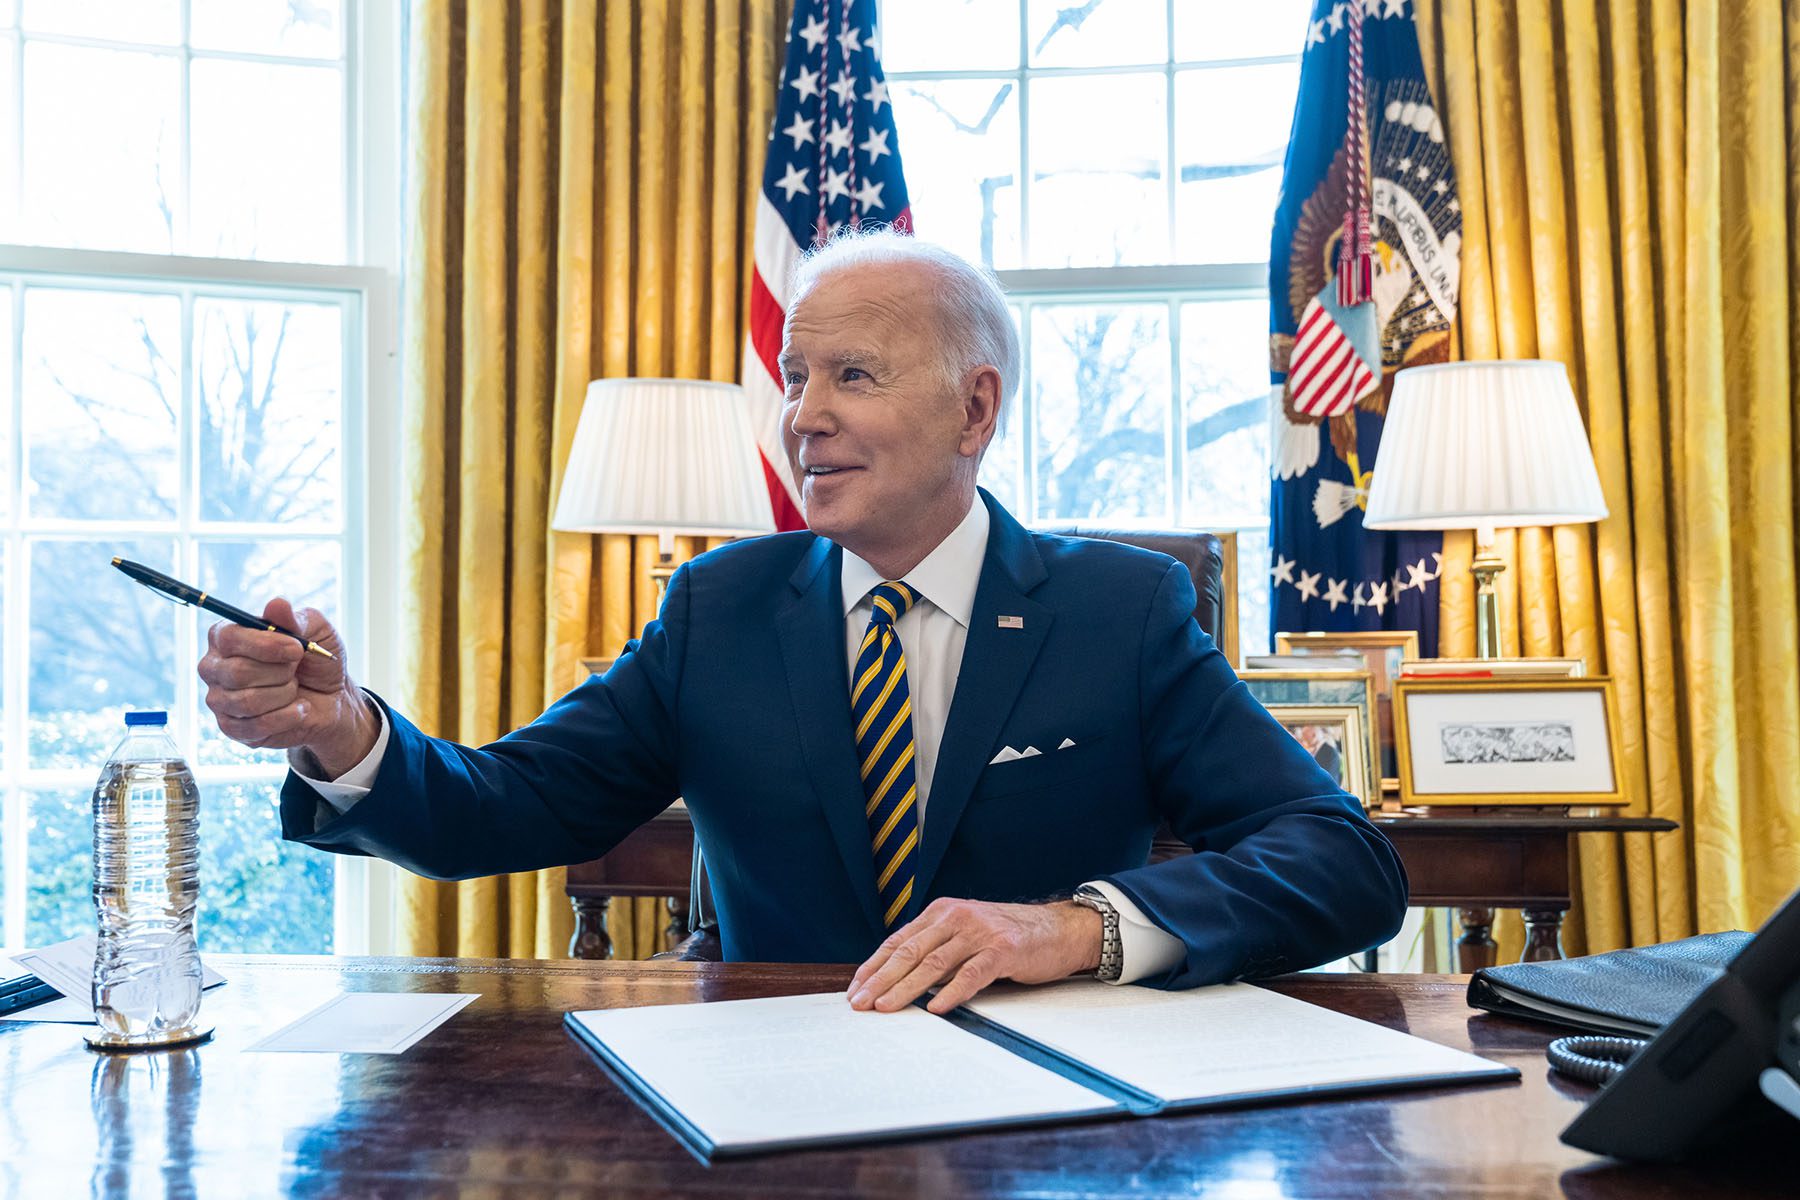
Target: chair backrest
<point x="1211" y="559"/>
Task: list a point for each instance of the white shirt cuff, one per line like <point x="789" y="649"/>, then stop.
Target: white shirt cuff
<point x="352" y="785"/>
<point x="1145" y="947"/>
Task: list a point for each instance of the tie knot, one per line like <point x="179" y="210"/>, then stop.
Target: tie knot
<point x="891" y="600"/>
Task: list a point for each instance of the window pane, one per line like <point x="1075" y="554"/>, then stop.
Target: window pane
<point x="102" y="148"/>
<point x="1253" y="591"/>
<point x="1230" y="170"/>
<point x="59" y="860"/>
<point x="268" y="161"/>
<point x="1225" y="405"/>
<point x="157" y="21"/>
<point x="270" y="378"/>
<point x="5" y="749"/>
<point x="962" y="164"/>
<point x="1097" y="193"/>
<point x="308" y="30"/>
<point x="914" y="35"/>
<point x="9" y="142"/>
<point x="6" y="408"/>
<point x="1232" y="29"/>
<point x="258" y="894"/>
<point x="100" y="644"/>
<point x="1104" y="33"/>
<point x="1100" y="389"/>
<point x="102" y="390"/>
<point x="250" y="574"/>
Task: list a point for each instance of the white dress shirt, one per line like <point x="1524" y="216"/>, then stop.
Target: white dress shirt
<point x="932" y="634"/>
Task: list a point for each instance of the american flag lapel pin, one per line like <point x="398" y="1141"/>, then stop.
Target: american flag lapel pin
<point x="1012" y="622"/>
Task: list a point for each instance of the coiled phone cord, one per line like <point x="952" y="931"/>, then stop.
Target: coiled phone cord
<point x="1593" y="1059"/>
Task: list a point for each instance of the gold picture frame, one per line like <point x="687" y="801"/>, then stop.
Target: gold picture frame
<point x="1512" y="741"/>
<point x="1343" y="757"/>
<point x="1500" y="668"/>
<point x="1277" y="689"/>
<point x="1384" y="651"/>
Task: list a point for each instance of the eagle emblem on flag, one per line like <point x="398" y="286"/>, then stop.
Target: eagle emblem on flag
<point x="1364" y="267"/>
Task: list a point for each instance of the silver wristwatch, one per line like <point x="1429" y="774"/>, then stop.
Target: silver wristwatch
<point x="1112" y="953"/>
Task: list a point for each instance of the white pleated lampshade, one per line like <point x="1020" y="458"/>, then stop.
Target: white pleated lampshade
<point x="664" y="456"/>
<point x="1483" y="445"/>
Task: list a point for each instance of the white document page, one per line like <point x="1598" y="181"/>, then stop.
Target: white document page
<point x="365" y="1023"/>
<point x="69" y="968"/>
<point x="803" y="1068"/>
<point x="1217" y="1043"/>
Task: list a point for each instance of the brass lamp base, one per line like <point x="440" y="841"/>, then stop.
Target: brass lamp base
<point x="1486" y="565"/>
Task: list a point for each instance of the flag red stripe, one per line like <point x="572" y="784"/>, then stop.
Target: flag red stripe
<point x="1316" y="321"/>
<point x="787" y="516"/>
<point x="1321" y="365"/>
<point x="1309" y="399"/>
<point x="765" y="326"/>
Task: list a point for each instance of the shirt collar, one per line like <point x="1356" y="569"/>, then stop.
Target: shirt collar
<point x="947" y="576"/>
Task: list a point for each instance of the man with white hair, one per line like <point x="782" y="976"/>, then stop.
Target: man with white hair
<point x="916" y="736"/>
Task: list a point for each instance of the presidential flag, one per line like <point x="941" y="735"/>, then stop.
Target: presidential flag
<point x="833" y="163"/>
<point x="1363" y="275"/>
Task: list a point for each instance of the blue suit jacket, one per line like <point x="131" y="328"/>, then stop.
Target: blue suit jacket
<point x="736" y="698"/>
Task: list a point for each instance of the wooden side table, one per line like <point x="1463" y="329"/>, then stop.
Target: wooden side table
<point x="1474" y="862"/>
<point x="1477" y="862"/>
<point x="657" y="859"/>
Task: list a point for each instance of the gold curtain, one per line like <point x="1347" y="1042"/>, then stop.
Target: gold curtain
<point x="580" y="179"/>
<point x="1629" y="196"/>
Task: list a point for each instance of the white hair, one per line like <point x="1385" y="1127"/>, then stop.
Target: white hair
<point x="977" y="326"/>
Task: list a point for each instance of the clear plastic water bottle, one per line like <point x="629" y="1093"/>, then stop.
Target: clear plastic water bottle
<point x="146" y="883"/>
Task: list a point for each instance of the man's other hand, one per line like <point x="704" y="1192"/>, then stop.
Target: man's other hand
<point x="266" y="690"/>
<point x="967" y="944"/>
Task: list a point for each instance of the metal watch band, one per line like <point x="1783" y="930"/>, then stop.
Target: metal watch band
<point x="1112" y="953"/>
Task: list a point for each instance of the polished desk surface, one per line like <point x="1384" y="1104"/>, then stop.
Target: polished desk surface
<point x="501" y="1101"/>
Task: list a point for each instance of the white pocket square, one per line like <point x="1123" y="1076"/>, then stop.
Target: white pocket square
<point x="1066" y="743"/>
<point x="1007" y="754"/>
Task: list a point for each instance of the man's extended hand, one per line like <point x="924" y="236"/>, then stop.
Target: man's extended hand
<point x="266" y="691"/>
<point x="972" y="943"/>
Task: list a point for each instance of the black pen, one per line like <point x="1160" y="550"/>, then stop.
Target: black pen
<point x="181" y="593"/>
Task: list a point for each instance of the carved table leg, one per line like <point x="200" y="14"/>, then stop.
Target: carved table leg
<point x="1543" y="934"/>
<point x="591" y="940"/>
<point x="678" y="919"/>
<point x="1476" y="948"/>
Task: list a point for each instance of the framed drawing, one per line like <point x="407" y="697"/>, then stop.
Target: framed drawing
<point x="1514" y="741"/>
<point x="1383" y="651"/>
<point x="1336" y="735"/>
<point x="1493" y="668"/>
<point x="1280" y="690"/>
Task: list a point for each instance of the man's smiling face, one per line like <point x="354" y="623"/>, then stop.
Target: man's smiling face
<point x="879" y="443"/>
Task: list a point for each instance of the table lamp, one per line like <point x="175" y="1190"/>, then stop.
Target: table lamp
<point x="670" y="457"/>
<point x="1484" y="445"/>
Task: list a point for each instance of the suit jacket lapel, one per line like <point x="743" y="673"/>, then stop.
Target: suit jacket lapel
<point x="810" y="629"/>
<point x="994" y="666"/>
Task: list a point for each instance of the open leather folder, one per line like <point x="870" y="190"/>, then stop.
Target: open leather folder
<point x="748" y="1076"/>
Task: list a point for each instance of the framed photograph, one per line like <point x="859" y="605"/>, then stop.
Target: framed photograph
<point x="1384" y="651"/>
<point x="1337" y="737"/>
<point x="1281" y="690"/>
<point x="1508" y="741"/>
<point x="1493" y="668"/>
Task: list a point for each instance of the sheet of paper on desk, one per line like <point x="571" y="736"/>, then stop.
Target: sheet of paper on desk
<point x="69" y="968"/>
<point x="1216" y="1044"/>
<point x="790" y="1070"/>
<point x="365" y="1023"/>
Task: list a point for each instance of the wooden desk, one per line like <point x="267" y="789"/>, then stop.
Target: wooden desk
<point x="1475" y="863"/>
<point x="501" y="1100"/>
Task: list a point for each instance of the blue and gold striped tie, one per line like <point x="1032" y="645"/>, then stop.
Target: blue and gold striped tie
<point x="881" y="706"/>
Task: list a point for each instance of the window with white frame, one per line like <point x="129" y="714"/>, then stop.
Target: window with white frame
<point x="182" y="363"/>
<point x="1117" y="163"/>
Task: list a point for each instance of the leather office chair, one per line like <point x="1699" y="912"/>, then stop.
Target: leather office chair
<point x="1211" y="560"/>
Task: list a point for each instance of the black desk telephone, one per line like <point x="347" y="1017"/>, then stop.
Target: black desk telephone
<point x="1710" y="1069"/>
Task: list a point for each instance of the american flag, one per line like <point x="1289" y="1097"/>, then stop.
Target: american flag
<point x="833" y="161"/>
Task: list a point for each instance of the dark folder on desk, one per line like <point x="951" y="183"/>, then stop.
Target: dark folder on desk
<point x="1633" y="992"/>
<point x="752" y="1076"/>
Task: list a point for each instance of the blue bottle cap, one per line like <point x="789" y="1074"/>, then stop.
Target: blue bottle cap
<point x="146" y="718"/>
